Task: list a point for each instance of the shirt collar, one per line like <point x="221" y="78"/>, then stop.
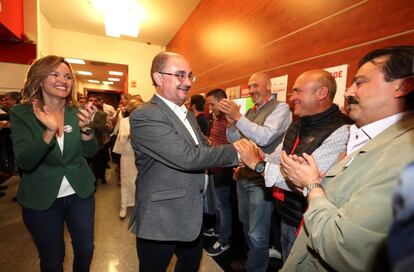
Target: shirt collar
<point x="180" y="111"/>
<point x="375" y="128"/>
<point x="358" y="137"/>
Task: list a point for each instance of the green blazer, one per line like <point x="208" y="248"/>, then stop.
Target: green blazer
<point x="43" y="165"/>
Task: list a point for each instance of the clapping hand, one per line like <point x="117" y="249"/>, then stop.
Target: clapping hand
<point x="300" y="171"/>
<point x="44" y="116"/>
<point x="85" y="115"/>
<point x="230" y="109"/>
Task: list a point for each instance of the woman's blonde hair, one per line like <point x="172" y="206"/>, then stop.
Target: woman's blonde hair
<point x="132" y="105"/>
<point x="39" y="71"/>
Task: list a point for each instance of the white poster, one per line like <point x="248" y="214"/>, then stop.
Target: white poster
<point x="339" y="73"/>
<point x="279" y="87"/>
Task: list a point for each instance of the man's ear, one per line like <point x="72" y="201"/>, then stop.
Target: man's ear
<point x="157" y="78"/>
<point x="406" y="86"/>
<point x="322" y="93"/>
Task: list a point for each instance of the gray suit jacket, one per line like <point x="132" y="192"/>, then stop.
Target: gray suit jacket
<point x="170" y="182"/>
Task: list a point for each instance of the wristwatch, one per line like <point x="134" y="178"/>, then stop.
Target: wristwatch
<point x="308" y="188"/>
<point x="260" y="167"/>
<point x="88" y="131"/>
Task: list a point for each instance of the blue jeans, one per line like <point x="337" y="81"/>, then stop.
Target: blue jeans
<point x="255" y="211"/>
<point x="47" y="230"/>
<point x="287" y="238"/>
<point x="222" y="185"/>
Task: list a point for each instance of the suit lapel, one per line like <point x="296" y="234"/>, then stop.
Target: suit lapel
<point x="193" y="122"/>
<point x="177" y="124"/>
<point x="70" y="124"/>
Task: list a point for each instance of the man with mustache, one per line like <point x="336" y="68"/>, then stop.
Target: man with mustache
<point x="171" y="156"/>
<point x="349" y="210"/>
<point x="265" y="124"/>
<point x="321" y="130"/>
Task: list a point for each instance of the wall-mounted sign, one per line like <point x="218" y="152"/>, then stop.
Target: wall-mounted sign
<point x="279" y="87"/>
<point x="233" y="92"/>
<point x="339" y="73"/>
<point x="244" y="90"/>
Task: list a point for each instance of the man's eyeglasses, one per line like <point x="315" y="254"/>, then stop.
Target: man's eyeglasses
<point x="181" y="76"/>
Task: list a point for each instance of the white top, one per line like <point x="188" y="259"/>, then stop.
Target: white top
<point x="360" y="136"/>
<point x="65" y="188"/>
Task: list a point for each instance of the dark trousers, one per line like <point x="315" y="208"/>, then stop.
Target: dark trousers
<point x="47" y="230"/>
<point x="154" y="256"/>
<point x="99" y="162"/>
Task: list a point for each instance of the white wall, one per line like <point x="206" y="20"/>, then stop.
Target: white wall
<point x="12" y="76"/>
<point x="44" y="36"/>
<point x="138" y="56"/>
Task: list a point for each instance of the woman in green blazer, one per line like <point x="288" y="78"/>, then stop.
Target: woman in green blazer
<point x="51" y="138"/>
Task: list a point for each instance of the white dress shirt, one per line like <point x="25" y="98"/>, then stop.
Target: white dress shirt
<point x="361" y="136"/>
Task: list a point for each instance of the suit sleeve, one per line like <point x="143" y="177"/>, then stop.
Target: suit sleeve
<point x="29" y="148"/>
<point x="348" y="236"/>
<point x="154" y="135"/>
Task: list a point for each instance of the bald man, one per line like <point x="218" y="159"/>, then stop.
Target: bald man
<point x="321" y="130"/>
<point x="265" y="124"/>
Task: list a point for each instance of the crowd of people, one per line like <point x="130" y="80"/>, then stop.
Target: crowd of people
<point x="318" y="180"/>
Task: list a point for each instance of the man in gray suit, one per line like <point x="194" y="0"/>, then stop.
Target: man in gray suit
<point x="171" y="157"/>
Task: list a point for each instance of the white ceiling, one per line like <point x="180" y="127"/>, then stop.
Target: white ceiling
<point x="100" y="71"/>
<point x="165" y="17"/>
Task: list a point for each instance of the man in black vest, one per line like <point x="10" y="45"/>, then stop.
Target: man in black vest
<point x="265" y="124"/>
<point x="321" y="130"/>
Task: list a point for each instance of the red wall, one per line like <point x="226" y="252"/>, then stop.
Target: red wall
<point x="11" y="18"/>
<point x="228" y="40"/>
<point x="13" y="48"/>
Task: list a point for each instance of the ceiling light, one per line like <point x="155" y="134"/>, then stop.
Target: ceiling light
<point x="121" y="17"/>
<point x="85" y="73"/>
<point x="115" y="73"/>
<point x="93" y="81"/>
<point x="113" y="79"/>
<point x="107" y="82"/>
<point x="75" y="61"/>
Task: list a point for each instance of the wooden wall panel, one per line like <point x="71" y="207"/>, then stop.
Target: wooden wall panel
<point x="228" y="40"/>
